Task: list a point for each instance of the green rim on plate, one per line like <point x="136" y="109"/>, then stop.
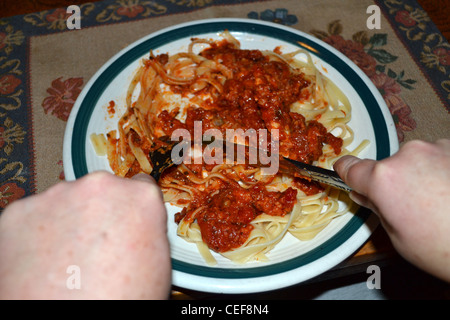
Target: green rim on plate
<point x="381" y="131"/>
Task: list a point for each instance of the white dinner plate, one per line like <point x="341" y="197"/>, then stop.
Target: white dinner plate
<point x="291" y="261"/>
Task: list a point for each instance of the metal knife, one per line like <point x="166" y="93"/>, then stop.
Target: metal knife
<point x="300" y="169"/>
<point x="162" y="160"/>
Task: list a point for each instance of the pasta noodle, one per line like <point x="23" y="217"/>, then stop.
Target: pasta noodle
<point x="229" y="207"/>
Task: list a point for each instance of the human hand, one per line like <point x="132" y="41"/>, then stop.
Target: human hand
<point x="409" y="191"/>
<point x="112" y="229"/>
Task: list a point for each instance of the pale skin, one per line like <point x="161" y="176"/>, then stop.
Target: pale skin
<point x="112" y="229"/>
<point x="409" y="191"/>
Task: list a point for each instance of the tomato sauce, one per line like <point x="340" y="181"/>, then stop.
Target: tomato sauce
<point x="111" y="108"/>
<point x="228" y="210"/>
<point x="258" y="96"/>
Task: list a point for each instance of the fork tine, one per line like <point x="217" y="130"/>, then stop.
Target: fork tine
<point x="161" y="160"/>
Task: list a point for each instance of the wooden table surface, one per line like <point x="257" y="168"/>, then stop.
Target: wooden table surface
<point x="378" y="248"/>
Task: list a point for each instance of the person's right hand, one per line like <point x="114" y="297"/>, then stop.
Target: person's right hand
<point x="410" y="192"/>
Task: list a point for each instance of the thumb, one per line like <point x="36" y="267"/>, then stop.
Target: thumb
<point x="357" y="174"/>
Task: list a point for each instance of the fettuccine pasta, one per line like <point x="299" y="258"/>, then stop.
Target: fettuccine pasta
<point x="232" y="208"/>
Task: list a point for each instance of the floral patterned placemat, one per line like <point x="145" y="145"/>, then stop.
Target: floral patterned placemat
<point x="44" y="66"/>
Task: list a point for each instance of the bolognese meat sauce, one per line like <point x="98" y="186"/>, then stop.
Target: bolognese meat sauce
<point x="258" y="96"/>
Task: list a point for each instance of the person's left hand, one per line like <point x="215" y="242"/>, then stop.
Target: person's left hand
<point x="103" y="233"/>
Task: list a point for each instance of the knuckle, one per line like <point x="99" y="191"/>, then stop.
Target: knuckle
<point x="414" y="146"/>
<point x="381" y="176"/>
<point x="99" y="177"/>
<point x="98" y="180"/>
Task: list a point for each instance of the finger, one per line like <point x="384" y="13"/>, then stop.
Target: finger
<point x="363" y="201"/>
<point x="144" y="177"/>
<point x="149" y="179"/>
<point x="445" y="145"/>
<point x="356" y="172"/>
<point x="359" y="199"/>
